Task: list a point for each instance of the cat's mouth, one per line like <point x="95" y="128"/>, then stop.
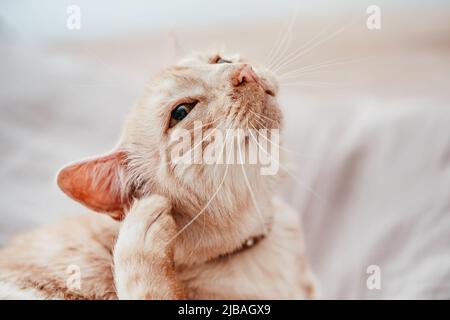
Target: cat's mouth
<point x="267" y="86"/>
<point x="270" y="92"/>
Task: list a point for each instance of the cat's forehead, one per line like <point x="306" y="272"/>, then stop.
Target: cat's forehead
<point x="207" y="57"/>
<point x="194" y="73"/>
<point x="179" y="80"/>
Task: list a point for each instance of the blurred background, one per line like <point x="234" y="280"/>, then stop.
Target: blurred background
<point x="367" y="117"/>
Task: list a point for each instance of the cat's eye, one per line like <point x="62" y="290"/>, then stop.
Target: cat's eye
<point x="220" y="60"/>
<point x="180" y="112"/>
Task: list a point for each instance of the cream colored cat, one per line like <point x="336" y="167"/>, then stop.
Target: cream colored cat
<point x="195" y="231"/>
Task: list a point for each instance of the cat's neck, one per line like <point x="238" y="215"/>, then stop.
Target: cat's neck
<point x="203" y="241"/>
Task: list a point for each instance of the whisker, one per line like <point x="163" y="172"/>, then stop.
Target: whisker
<point x="295" y="75"/>
<point x="286" y="40"/>
<point x="311" y="67"/>
<point x="286" y="46"/>
<point x="276" y="45"/>
<point x="252" y="195"/>
<point x="191" y="150"/>
<point x="207" y="124"/>
<point x="310" y="84"/>
<point x="281" y="147"/>
<point x="310" y="48"/>
<point x="319" y="66"/>
<point x="287" y="60"/>
<point x="288" y="172"/>
<point x="207" y="204"/>
<point x="261" y="115"/>
<point x="200" y="239"/>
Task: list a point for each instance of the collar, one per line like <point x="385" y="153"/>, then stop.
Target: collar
<point x="247" y="244"/>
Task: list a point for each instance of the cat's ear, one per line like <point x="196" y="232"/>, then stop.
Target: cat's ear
<point x="98" y="183"/>
<point x="173" y="48"/>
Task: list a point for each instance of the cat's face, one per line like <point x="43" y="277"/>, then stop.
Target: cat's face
<point x="204" y="93"/>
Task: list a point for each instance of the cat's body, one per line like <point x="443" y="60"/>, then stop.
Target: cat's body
<point x="192" y="230"/>
<point x="38" y="265"/>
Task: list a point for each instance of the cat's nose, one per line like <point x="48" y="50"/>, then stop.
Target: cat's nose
<point x="245" y="74"/>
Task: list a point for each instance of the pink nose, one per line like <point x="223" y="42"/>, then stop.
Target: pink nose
<point x="247" y="75"/>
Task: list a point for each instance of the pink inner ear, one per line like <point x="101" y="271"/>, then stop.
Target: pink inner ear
<point x="97" y="183"/>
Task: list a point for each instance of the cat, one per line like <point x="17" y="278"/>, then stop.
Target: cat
<point x="172" y="230"/>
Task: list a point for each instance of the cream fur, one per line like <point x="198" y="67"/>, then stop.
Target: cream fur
<point x="146" y="256"/>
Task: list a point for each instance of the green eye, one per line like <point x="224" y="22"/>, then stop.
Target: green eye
<point x="218" y="59"/>
<point x="180" y="112"/>
<point x="223" y="61"/>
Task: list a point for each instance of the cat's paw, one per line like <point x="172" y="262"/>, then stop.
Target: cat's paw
<point x="147" y="230"/>
<point x="143" y="254"/>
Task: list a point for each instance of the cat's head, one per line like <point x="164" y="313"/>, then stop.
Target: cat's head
<point x="204" y="94"/>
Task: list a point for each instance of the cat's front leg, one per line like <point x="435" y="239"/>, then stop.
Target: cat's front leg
<point x="143" y="255"/>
